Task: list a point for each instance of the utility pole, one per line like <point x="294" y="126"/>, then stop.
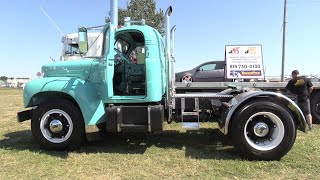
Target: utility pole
<point x="284" y="39"/>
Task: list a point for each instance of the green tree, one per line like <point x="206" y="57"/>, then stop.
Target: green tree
<point x="143" y="9"/>
<point x="3" y="78"/>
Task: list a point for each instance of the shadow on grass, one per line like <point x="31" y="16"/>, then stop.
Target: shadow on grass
<point x="23" y="140"/>
<point x="200" y="144"/>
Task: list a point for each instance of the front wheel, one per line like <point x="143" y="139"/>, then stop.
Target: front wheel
<point x="263" y="130"/>
<point x="58" y="125"/>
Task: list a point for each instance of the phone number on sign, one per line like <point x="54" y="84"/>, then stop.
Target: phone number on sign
<point x="244" y="66"/>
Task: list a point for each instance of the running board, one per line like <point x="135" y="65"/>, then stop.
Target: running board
<point x="190" y="125"/>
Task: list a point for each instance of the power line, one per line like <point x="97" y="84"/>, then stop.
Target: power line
<point x="284" y="28"/>
<point x="284" y="39"/>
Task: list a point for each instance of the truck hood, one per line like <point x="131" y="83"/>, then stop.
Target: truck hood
<point x="80" y="69"/>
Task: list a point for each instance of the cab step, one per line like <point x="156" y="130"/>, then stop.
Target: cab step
<point x="190" y="125"/>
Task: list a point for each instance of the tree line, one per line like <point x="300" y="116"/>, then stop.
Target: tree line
<point x="5" y="78"/>
<point x="143" y="9"/>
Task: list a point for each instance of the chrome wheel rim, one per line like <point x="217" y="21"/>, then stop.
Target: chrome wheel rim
<point x="56" y="126"/>
<point x="264" y="131"/>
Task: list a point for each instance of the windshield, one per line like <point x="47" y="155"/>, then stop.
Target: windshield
<point x="96" y="37"/>
<point x="95" y="43"/>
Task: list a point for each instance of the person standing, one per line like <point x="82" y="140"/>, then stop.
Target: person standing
<point x="302" y="87"/>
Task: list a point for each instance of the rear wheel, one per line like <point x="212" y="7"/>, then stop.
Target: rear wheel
<point x="315" y="107"/>
<point x="263" y="130"/>
<point x="58" y="125"/>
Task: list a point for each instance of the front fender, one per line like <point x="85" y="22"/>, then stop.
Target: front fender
<point x="241" y="99"/>
<point x="83" y="92"/>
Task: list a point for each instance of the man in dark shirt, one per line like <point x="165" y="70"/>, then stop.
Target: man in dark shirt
<point x="302" y="87"/>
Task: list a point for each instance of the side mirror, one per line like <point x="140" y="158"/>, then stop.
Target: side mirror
<point x="198" y="70"/>
<point x="83" y="40"/>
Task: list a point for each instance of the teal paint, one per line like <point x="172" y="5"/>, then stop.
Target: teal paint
<point x="79" y="69"/>
<point x="83" y="92"/>
<point x="90" y="82"/>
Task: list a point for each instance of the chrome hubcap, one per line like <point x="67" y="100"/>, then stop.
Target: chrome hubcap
<point x="56" y="126"/>
<point x="261" y="129"/>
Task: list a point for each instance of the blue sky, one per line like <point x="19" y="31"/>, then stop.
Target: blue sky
<point x="204" y="27"/>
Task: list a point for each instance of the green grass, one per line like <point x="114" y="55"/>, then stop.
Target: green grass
<point x="175" y="154"/>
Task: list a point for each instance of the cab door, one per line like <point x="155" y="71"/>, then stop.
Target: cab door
<point x="106" y="65"/>
<point x="103" y="62"/>
<point x="109" y="51"/>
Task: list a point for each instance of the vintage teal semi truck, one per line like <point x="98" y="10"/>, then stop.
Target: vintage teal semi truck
<point x="129" y="87"/>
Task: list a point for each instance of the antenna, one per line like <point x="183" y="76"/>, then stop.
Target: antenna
<point x="51" y="19"/>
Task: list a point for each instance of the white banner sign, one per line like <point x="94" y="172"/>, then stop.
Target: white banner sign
<point x="243" y="62"/>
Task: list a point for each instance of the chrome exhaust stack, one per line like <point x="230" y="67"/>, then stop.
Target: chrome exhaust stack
<point x="173" y="29"/>
<point x="114" y="12"/>
<point x="170" y="88"/>
<point x="172" y="59"/>
<point x="167" y="31"/>
<point x="168" y="49"/>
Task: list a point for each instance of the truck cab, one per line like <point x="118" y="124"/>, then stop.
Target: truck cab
<point x="121" y="87"/>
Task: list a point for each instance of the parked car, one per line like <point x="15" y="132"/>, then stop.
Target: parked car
<point x="212" y="71"/>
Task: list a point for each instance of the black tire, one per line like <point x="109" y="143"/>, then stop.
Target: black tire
<point x="58" y="125"/>
<point x="254" y="140"/>
<point x="315" y="107"/>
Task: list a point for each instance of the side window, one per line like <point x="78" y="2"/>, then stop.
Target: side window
<point x="208" y="67"/>
<point x="106" y="41"/>
<point x="95" y="45"/>
<point x="219" y="66"/>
